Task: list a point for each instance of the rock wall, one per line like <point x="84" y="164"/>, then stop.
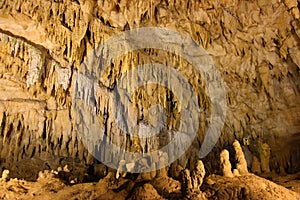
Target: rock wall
<point x="254" y="44"/>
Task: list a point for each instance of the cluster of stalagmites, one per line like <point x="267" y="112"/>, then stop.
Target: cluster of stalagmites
<point x="258" y="165"/>
<point x="160" y="185"/>
<point x="186" y="184"/>
<point x="241" y="166"/>
<point x="192" y="180"/>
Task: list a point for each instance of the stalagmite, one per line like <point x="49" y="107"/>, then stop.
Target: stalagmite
<point x="193" y="180"/>
<point x="5" y="176"/>
<point x="264" y="154"/>
<point x="240" y="158"/>
<point x="121" y="172"/>
<point x="225" y="164"/>
<point x="236" y="172"/>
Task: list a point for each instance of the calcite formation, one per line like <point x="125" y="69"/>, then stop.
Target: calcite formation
<point x="193" y="180"/>
<point x="225" y="164"/>
<point x="240" y="162"/>
<point x="241" y="165"/>
<point x="265" y="153"/>
<point x="5" y="176"/>
<point x="254" y="45"/>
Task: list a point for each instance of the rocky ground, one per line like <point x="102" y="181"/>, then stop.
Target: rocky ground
<point x="248" y="186"/>
<point x="254" y="45"/>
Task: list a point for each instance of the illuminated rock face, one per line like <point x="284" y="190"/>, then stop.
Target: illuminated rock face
<point x="255" y="46"/>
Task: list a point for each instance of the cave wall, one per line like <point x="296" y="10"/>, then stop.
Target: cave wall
<point x="254" y="44"/>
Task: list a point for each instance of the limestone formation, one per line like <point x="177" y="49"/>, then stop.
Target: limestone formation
<point x="292" y="6"/>
<point x="225" y="163"/>
<point x="241" y="165"/>
<point x="5" y="175"/>
<point x="59" y="169"/>
<point x="264" y="154"/>
<point x="236" y="172"/>
<point x="66" y="168"/>
<point x="130" y="166"/>
<point x="121" y="171"/>
<point x="193" y="180"/>
<point x="136" y="147"/>
<point x="44" y="46"/>
<point x="55" y="92"/>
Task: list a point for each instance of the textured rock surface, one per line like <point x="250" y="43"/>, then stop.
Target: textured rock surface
<point x="246" y="187"/>
<point x="254" y="44"/>
<point x="145" y="192"/>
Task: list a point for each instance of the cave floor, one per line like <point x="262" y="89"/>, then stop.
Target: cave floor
<point x="289" y="181"/>
<point x="248" y="186"/>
